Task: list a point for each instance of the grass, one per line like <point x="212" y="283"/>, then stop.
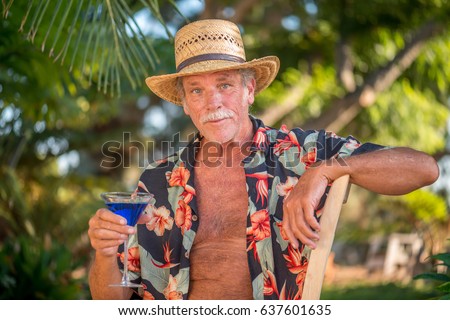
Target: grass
<point x="385" y="291"/>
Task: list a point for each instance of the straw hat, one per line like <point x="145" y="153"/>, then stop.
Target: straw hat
<point x="210" y="46"/>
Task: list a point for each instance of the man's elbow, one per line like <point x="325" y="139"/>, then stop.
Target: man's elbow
<point x="431" y="170"/>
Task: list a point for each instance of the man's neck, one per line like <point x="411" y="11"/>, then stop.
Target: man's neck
<point x="231" y="152"/>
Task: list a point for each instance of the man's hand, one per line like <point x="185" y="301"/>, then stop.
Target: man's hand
<point x="299" y="222"/>
<point x="107" y="231"/>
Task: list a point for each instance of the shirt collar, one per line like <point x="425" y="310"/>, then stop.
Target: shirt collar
<point x="260" y="142"/>
<point x="261" y="138"/>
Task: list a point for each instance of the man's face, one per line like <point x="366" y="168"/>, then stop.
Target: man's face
<point x="217" y="104"/>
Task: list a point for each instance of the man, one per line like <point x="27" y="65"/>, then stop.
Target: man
<point x="233" y="211"/>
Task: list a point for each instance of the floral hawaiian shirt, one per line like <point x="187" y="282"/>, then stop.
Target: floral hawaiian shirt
<point x="159" y="251"/>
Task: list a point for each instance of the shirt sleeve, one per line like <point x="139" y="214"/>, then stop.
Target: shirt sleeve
<point x="329" y="145"/>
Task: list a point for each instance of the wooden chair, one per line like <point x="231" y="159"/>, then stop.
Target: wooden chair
<point x="318" y="258"/>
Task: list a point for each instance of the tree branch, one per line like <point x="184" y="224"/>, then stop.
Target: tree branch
<point x="210" y="11"/>
<point x="242" y="10"/>
<point x="344" y="110"/>
<point x="344" y="66"/>
<point x="295" y="93"/>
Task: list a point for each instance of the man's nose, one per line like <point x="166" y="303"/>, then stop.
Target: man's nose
<point x="213" y="99"/>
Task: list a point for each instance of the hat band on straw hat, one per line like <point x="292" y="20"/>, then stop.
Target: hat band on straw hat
<point x="209" y="56"/>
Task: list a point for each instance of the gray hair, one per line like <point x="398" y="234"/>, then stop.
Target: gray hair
<point x="246" y="74"/>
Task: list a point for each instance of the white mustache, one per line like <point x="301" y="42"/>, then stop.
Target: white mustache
<point x="217" y="115"/>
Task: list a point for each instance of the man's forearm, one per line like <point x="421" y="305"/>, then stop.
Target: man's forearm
<point x="393" y="171"/>
<point x="104" y="271"/>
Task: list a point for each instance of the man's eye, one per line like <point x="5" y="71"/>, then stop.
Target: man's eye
<point x="196" y="91"/>
<point x="225" y="86"/>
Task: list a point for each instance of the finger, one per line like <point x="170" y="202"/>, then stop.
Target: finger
<point x="311" y="220"/>
<point x="302" y="231"/>
<point x="108" y="249"/>
<point x="105" y="244"/>
<point x="288" y="232"/>
<point x="113" y="232"/>
<point x="115" y="228"/>
<point x="107" y="215"/>
<point x="108" y="231"/>
<point x="304" y="228"/>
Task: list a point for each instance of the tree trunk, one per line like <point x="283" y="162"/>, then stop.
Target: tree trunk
<point x="241" y="10"/>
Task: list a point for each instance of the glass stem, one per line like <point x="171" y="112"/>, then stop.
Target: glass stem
<point x="125" y="262"/>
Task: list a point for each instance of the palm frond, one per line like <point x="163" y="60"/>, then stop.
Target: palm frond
<point x="102" y="37"/>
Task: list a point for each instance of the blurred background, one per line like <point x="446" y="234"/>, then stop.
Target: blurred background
<point x="77" y="119"/>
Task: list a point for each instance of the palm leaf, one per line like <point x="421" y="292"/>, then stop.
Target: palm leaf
<point x="102" y="37"/>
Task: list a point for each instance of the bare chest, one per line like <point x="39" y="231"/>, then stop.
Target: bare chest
<point x="219" y="268"/>
<point x="222" y="202"/>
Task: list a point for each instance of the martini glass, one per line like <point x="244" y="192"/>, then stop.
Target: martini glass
<point x="129" y="205"/>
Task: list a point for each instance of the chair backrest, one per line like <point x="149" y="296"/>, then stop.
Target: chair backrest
<point x="318" y="258"/>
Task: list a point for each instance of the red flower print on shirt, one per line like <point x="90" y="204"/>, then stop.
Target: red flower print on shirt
<point x="148" y="296"/>
<point x="284" y="189"/>
<point x="284" y="128"/>
<point x="179" y="176"/>
<point x="167" y="253"/>
<point x="260" y="224"/>
<point x="284" y="144"/>
<point x="282" y="232"/>
<point x="262" y="185"/>
<point x="260" y="137"/>
<point x="134" y="262"/>
<point x="352" y="144"/>
<point x="310" y="157"/>
<point x="270" y="284"/>
<point x="297" y="264"/>
<point x="188" y="193"/>
<point x="251" y="244"/>
<point x="158" y="219"/>
<point x="290" y="294"/>
<point x="183" y="216"/>
<point x="170" y="292"/>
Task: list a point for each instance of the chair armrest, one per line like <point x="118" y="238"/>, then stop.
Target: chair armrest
<point x="318" y="258"/>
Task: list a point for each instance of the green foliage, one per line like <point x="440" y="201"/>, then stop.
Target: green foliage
<point x="433" y="65"/>
<point x="361" y="291"/>
<point x="419" y="211"/>
<point x="426" y="206"/>
<point x="320" y="88"/>
<point x="101" y="41"/>
<point x="440" y="279"/>
<point x="13" y="205"/>
<point x="403" y="116"/>
<point x="30" y="269"/>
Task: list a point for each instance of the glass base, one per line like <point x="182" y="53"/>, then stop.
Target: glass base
<point x="126" y="284"/>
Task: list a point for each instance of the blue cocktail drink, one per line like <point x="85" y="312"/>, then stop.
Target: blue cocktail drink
<point x="130" y="211"/>
<point x="130" y="206"/>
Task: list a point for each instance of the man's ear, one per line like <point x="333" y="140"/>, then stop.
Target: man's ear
<point x="251" y="85"/>
<point x="185" y="108"/>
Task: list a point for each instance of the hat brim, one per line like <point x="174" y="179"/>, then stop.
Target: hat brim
<point x="165" y="86"/>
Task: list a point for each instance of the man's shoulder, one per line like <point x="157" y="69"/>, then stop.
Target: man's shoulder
<point x="167" y="162"/>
